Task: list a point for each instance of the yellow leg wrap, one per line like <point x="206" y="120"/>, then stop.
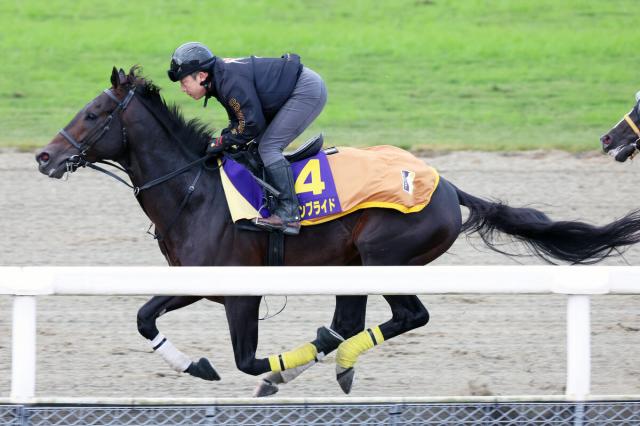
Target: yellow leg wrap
<point x="295" y="358"/>
<point x="350" y="349"/>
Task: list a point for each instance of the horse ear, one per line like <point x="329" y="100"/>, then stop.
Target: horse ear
<point x="114" y="78"/>
<point x="638" y="96"/>
<point x="122" y="76"/>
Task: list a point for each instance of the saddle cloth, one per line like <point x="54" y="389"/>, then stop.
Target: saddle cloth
<point x="331" y="186"/>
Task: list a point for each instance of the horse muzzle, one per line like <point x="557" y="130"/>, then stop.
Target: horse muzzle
<point x="56" y="170"/>
<point x="621" y="151"/>
<point x="606" y="140"/>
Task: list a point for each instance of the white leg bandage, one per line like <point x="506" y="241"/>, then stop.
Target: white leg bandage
<point x="291" y="373"/>
<point x="176" y="359"/>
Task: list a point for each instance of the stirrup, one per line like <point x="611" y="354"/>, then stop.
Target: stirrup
<point x="285" y="228"/>
<point x="291" y="229"/>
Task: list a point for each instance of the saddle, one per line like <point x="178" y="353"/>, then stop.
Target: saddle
<point x="249" y="157"/>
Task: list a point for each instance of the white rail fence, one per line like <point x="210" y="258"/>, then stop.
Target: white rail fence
<point x="578" y="283"/>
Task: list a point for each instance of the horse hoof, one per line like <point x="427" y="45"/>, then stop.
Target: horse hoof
<point x="345" y="378"/>
<point x="204" y="370"/>
<point x="265" y="388"/>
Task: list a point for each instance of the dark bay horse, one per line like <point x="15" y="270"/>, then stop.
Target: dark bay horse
<point x="130" y="124"/>
<point x="623" y="140"/>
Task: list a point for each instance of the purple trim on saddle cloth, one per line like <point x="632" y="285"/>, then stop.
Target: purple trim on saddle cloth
<point x="246" y="185"/>
<point x="317" y="178"/>
<point x="320" y="197"/>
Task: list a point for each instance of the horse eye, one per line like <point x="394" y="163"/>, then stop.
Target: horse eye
<point x="91" y="116"/>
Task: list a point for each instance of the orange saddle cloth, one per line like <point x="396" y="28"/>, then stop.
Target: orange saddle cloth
<point x="380" y="176"/>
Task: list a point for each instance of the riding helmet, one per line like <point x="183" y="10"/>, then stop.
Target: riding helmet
<point x="189" y="58"/>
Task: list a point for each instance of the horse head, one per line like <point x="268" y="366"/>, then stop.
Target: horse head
<point x="623" y="140"/>
<point x="96" y="132"/>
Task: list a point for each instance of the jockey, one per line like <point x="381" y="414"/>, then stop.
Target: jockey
<point x="269" y="100"/>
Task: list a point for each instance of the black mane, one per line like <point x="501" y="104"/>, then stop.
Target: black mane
<point x="192" y="134"/>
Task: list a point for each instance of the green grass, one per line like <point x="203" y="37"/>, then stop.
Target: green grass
<point x="422" y="74"/>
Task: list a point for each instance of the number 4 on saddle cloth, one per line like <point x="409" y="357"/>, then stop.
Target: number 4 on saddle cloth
<point x="334" y="182"/>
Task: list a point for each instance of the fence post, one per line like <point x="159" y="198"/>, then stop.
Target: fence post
<point x="578" y="346"/>
<point x="23" y="354"/>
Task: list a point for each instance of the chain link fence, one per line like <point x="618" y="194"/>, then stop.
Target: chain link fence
<point x="502" y="413"/>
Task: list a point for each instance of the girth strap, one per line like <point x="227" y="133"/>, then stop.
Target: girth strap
<point x="275" y="249"/>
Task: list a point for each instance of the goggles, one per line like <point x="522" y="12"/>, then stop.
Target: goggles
<point x="178" y="69"/>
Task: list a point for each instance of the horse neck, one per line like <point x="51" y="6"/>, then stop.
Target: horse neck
<point x="151" y="154"/>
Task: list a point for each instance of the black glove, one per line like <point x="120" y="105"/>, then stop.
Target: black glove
<point x="216" y="146"/>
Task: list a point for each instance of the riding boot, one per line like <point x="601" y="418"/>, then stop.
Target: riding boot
<point x="286" y="215"/>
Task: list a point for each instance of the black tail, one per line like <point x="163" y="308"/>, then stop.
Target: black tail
<point x="575" y="242"/>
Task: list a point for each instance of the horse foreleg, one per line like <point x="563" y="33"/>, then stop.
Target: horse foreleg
<point x="348" y="319"/>
<point x="242" y="316"/>
<point x="147" y="315"/>
<point x="288" y="365"/>
<point x="407" y="313"/>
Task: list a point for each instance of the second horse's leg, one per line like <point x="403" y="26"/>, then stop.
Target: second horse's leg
<point x="147" y="315"/>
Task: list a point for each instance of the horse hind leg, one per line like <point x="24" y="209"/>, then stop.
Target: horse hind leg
<point x="289" y="365"/>
<point x="389" y="238"/>
<point x="242" y="317"/>
<point x="147" y="315"/>
<point x="348" y="320"/>
<point x="408" y="313"/>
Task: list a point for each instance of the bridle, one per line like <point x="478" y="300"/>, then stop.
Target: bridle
<point x="93" y="137"/>
<point x="80" y="160"/>
<point x="635" y="130"/>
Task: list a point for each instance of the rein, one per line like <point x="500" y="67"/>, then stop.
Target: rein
<point x="92" y="138"/>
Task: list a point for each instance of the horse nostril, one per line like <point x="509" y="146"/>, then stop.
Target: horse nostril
<point x="43" y="158"/>
<point x="606" y="140"/>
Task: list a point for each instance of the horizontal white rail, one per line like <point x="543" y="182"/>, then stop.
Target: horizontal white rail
<point x="133" y="401"/>
<point x="238" y="281"/>
<point x="577" y="282"/>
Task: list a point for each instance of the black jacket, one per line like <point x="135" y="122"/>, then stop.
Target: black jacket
<point x="252" y="90"/>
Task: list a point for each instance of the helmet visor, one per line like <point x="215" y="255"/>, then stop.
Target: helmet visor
<point x="178" y="71"/>
<point x="175" y="71"/>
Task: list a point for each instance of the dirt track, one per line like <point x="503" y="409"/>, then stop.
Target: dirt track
<point x="473" y="344"/>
